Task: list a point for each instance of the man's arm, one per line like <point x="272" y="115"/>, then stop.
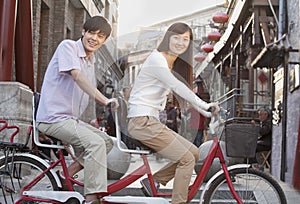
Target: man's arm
<point x="87" y="87"/>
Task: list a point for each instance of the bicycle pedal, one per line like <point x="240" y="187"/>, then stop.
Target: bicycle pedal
<point x="145" y="192"/>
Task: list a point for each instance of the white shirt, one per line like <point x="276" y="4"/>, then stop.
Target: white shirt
<point x="154" y="82"/>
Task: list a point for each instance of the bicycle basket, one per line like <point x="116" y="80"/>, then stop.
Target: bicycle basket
<point x="241" y="140"/>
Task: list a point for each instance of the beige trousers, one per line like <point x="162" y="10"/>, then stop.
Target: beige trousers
<point x="182" y="153"/>
<point x="91" y="143"/>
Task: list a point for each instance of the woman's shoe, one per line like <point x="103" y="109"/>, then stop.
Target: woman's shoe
<point x="147" y="187"/>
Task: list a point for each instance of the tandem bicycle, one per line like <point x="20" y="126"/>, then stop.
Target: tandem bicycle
<point x="27" y="178"/>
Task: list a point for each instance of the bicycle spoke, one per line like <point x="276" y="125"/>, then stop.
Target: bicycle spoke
<point x="19" y="172"/>
<point x="251" y="186"/>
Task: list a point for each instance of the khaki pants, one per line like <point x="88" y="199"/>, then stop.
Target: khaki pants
<point x="93" y="146"/>
<point x="182" y="153"/>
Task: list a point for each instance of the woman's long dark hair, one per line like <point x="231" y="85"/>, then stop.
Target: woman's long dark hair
<point x="183" y="63"/>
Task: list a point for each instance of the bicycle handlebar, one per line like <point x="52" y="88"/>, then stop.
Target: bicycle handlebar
<point x="217" y="120"/>
<point x="111" y="104"/>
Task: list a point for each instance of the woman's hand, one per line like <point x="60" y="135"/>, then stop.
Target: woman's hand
<point x="215" y="108"/>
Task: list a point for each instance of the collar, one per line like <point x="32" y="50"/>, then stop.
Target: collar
<point x="82" y="53"/>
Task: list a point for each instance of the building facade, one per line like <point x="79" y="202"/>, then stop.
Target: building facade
<point x="51" y="22"/>
<point x="256" y="64"/>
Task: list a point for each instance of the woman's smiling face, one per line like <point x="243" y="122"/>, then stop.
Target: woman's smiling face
<point x="179" y="43"/>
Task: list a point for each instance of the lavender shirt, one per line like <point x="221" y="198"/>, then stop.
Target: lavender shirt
<point x="61" y="98"/>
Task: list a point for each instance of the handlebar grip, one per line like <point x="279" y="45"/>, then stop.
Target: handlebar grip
<point x="111" y="104"/>
<point x="211" y="109"/>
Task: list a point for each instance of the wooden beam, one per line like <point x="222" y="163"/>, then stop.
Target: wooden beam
<point x="7" y="33"/>
<point x="264" y="2"/>
<point x="23" y="45"/>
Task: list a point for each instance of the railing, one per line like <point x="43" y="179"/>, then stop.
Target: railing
<point x="99" y="5"/>
<point x="239" y="110"/>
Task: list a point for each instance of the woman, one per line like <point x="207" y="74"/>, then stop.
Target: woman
<point x="148" y="97"/>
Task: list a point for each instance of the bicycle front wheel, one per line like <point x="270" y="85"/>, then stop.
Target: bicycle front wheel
<point x="251" y="185"/>
<point x="17" y="172"/>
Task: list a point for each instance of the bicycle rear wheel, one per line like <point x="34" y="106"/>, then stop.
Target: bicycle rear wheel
<point x="252" y="186"/>
<point x="17" y="172"/>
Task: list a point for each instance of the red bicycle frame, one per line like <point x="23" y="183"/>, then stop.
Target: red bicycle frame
<point x="214" y="152"/>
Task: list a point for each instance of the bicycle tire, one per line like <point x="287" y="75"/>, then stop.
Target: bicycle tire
<point x="253" y="186"/>
<point x="17" y="174"/>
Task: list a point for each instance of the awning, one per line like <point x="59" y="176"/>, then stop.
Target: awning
<point x="268" y="58"/>
<point x="273" y="54"/>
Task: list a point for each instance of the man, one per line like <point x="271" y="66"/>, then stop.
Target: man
<point x="197" y="126"/>
<point x="68" y="84"/>
<point x="171" y="116"/>
<point x="264" y="141"/>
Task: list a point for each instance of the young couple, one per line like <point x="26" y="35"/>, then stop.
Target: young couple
<point x="69" y="82"/>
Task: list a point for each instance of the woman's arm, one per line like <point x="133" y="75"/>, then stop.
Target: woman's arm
<point x="165" y="75"/>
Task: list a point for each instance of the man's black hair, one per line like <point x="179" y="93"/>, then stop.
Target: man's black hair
<point x="96" y="23"/>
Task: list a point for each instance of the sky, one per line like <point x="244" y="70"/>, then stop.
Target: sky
<point x="141" y="13"/>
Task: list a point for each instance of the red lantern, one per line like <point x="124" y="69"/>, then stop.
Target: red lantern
<point x="220" y="18"/>
<point x="214" y="36"/>
<point x="199" y="57"/>
<point x="207" y="48"/>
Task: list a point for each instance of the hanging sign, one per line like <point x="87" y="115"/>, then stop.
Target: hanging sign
<point x="294" y="78"/>
<point x="277" y="109"/>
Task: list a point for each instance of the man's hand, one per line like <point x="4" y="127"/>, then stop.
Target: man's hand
<point x="113" y="104"/>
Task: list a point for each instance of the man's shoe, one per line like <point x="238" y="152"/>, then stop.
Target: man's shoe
<point x="147" y="187"/>
<point x="98" y="201"/>
<point x="64" y="185"/>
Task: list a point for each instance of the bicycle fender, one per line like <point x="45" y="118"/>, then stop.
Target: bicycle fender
<point x="32" y="156"/>
<point x="216" y="175"/>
